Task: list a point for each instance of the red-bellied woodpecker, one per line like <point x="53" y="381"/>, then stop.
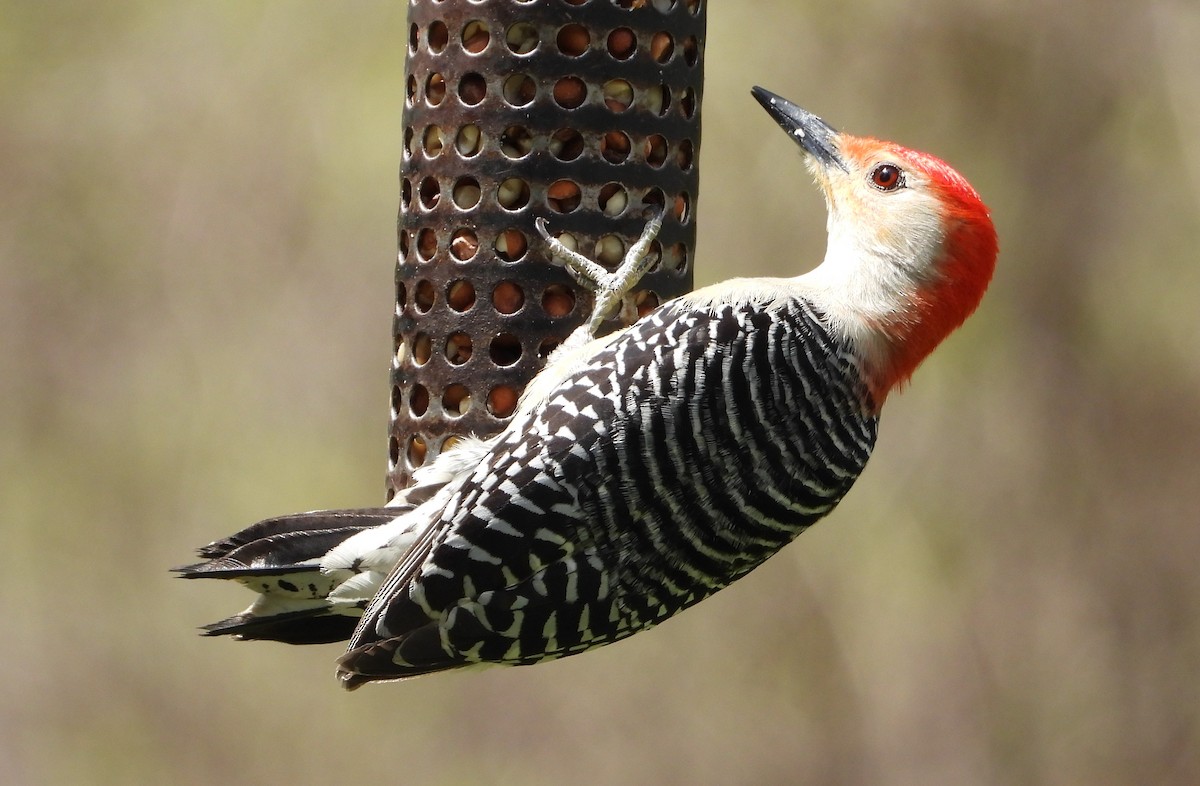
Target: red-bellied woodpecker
<point x="645" y="470"/>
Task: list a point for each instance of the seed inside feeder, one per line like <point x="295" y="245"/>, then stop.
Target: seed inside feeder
<point x="516" y="142"/>
<point x="508" y="297"/>
<point x="622" y="43"/>
<point x="466" y="193"/>
<point x="432" y="142"/>
<point x="570" y="92"/>
<point x="438" y="36"/>
<point x="502" y="400"/>
<point x="456" y="400"/>
<point x="610" y="250"/>
<point x="461" y="295"/>
<point x="618" y="95"/>
<point x="646" y="301"/>
<point x="657" y="99"/>
<point x="472" y="89"/>
<point x="435" y="89"/>
<point x="513" y="194"/>
<point x="566" y="144"/>
<point x="464" y="245"/>
<point x="655" y="150"/>
<point x="522" y="38"/>
<point x="563" y="196"/>
<point x="511" y="245"/>
<point x="612" y="199"/>
<point x="469" y="141"/>
<point x="558" y="300"/>
<point x="475" y="36"/>
<point x="662" y="46"/>
<point x="458" y="348"/>
<point x="416" y="451"/>
<point x="519" y="90"/>
<point x="573" y="40"/>
<point x="615" y="146"/>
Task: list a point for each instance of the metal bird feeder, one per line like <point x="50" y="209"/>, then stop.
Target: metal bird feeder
<point x="584" y="112"/>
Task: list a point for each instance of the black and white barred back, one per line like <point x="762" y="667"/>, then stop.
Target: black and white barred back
<point x="676" y="460"/>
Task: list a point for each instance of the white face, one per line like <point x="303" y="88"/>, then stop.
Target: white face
<point x="886" y="236"/>
<point x="884" y="217"/>
<point x="911" y="250"/>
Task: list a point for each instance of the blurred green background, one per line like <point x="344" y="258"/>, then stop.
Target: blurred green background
<point x="196" y="252"/>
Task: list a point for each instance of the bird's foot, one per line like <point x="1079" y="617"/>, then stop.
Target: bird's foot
<point x="612" y="288"/>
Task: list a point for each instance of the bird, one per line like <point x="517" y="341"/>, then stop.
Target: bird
<point x="646" y="469"/>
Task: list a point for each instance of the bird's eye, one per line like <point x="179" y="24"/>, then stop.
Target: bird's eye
<point x="887" y="177"/>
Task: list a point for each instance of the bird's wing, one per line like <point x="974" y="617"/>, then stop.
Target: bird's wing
<point x="608" y="507"/>
<point x="498" y="526"/>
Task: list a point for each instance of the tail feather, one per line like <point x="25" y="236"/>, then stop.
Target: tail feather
<point x="289" y="552"/>
<point x="315" y="572"/>
<point x="280" y="558"/>
<point x="300" y="522"/>
<point x="307" y="626"/>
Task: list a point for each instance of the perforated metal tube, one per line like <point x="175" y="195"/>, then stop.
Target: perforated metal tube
<point x="585" y="112"/>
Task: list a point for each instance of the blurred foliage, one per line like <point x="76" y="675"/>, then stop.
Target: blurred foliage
<point x="196" y="251"/>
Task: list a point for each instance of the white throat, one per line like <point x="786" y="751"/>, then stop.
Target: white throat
<point x="868" y="285"/>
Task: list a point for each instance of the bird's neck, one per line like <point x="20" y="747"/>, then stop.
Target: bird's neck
<point x="890" y="317"/>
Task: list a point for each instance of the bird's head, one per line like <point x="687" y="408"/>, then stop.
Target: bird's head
<point x="911" y="246"/>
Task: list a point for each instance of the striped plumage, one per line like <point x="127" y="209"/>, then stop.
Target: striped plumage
<point x="645" y="470"/>
<point x="675" y="460"/>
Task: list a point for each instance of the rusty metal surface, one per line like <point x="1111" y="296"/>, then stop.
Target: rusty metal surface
<point x="584" y="112"/>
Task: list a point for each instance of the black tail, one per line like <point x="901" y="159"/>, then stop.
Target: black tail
<point x="284" y="540"/>
<point x="308" y="626"/>
<point x="280" y="559"/>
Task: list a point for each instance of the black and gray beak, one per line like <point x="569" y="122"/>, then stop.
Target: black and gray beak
<point x="809" y="131"/>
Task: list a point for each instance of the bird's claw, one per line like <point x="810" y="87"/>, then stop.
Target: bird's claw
<point x="582" y="269"/>
<point x="610" y="289"/>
